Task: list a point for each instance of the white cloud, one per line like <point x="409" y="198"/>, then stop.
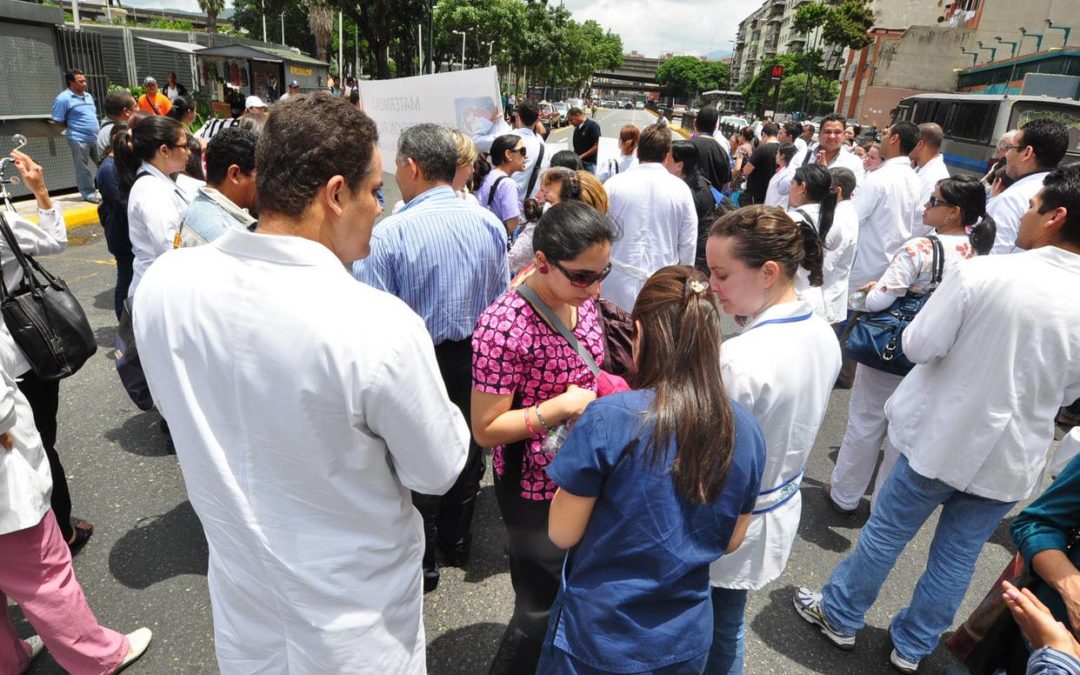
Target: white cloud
<point x="649" y="26"/>
<point x="682" y="26"/>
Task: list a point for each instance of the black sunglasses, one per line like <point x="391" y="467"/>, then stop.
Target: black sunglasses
<point x="522" y="150"/>
<point x="583" y="279"/>
<point x="934" y="201"/>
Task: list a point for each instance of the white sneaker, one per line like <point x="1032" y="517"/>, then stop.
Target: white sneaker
<point x="36" y="647"/>
<point x="902" y="664"/>
<point x="808" y="605"/>
<point x="138" y="641"/>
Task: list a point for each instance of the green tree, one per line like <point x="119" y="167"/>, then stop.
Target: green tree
<point x="683" y="75"/>
<point x="211" y="8"/>
<point x="848" y="24"/>
<point x="321" y="22"/>
<point x="823" y="96"/>
<point x="810" y="17"/>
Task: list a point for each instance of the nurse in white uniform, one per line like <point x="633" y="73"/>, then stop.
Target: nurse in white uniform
<point x="782" y="367"/>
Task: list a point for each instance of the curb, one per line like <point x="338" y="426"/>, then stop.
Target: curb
<point x="75" y="216"/>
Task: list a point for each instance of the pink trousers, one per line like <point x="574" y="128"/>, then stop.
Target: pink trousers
<point x="36" y="572"/>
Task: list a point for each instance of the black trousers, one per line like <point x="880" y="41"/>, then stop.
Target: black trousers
<point x="44" y="400"/>
<point x="448" y="518"/>
<point x="535" y="571"/>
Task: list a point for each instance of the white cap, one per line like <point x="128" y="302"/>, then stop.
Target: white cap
<point x="254" y="102"/>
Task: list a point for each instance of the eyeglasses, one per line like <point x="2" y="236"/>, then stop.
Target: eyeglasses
<point x="934" y="201"/>
<point x="521" y="151"/>
<point x="583" y="279"/>
<point x="1013" y="147"/>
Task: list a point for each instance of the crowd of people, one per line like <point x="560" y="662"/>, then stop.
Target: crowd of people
<point x="334" y="457"/>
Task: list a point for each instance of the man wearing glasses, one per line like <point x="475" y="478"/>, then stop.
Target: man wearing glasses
<point x="1036" y="149"/>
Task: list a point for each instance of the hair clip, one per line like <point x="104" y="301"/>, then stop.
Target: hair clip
<point x="697" y="287"/>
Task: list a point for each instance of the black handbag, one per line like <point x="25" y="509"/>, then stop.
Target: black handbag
<point x="874" y="339"/>
<point x="46" y="321"/>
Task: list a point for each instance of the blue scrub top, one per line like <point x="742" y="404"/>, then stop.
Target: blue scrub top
<point x="635" y="593"/>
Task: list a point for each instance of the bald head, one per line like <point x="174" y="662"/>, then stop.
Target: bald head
<point x="929" y="145"/>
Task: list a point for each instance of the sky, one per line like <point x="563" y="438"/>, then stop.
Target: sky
<point x="696" y="27"/>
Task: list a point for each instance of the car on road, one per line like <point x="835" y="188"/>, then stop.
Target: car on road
<point x="562" y="109"/>
<point x="678" y="109"/>
<point x="610" y="104"/>
<point x="549" y="116"/>
<point x="640" y="105"/>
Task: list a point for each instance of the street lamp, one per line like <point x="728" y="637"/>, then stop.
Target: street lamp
<point x="462" y="34"/>
<point x="992" y="50"/>
<point x="491" y="46"/>
<point x="1050" y="25"/>
<point x="1006" y="42"/>
<point x="1025" y="34"/>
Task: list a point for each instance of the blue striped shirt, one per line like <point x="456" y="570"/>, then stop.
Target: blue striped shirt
<point x="444" y="257"/>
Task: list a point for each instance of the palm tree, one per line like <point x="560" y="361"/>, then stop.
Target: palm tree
<point x="321" y="22"/>
<point x="212" y="8"/>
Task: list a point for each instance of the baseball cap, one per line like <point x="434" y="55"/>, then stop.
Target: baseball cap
<point x="254" y="102"/>
<point x="294" y="83"/>
<point x="149" y="80"/>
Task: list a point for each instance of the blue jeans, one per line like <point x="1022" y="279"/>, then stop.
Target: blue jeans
<point x="729" y="632"/>
<point x="85" y="156"/>
<point x="907" y="499"/>
<point x="590" y="167"/>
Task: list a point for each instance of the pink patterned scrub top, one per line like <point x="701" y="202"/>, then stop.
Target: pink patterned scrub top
<point x="516" y="353"/>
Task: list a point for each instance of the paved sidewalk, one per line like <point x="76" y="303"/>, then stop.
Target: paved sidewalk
<point x="77" y="211"/>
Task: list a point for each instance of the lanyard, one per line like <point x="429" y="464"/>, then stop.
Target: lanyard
<point x="786" y="319"/>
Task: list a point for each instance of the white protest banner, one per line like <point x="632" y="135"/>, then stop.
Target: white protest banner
<point x="608" y="151"/>
<point x="466" y="99"/>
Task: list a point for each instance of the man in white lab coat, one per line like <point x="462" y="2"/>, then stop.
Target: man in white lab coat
<point x="972" y="437"/>
<point x="656" y="216"/>
<point x="304" y="407"/>
<point x="1034" y="151"/>
<point x="929" y="167"/>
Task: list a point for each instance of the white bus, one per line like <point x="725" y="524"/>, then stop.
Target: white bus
<point x="973" y="123"/>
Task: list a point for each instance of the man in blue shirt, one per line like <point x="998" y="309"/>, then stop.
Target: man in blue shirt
<point x="74" y="110"/>
<point x="446" y="258"/>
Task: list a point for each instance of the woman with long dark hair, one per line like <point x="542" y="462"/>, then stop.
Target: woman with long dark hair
<point x="811" y="198"/>
<point x="149" y="155"/>
<point x="782" y="367"/>
<point x="651" y="492"/>
<point x="956" y="211"/>
<point x="529" y="381"/>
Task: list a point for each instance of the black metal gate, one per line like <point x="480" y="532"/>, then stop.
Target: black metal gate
<point x="82" y="49"/>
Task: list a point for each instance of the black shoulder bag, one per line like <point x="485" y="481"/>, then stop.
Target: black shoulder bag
<point x="46" y="321"/>
<point x="535" y="171"/>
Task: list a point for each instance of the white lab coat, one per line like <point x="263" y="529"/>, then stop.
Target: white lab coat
<point x="930" y="174"/>
<point x="25" y="478"/>
<point x="156" y="206"/>
<point x="845" y="159"/>
<point x="655" y="214"/>
<point x="304" y="407"/>
<point x="47" y="237"/>
<point x="829" y="300"/>
<point x="784" y="373"/>
<point x="887" y="203"/>
<point x="1007" y="208"/>
<point x="998" y="352"/>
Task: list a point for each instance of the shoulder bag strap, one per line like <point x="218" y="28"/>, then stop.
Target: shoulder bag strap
<point x="535" y="171"/>
<point x="549" y="315"/>
<point x="20" y="255"/>
<point x="809" y="152"/>
<point x="494" y="187"/>
<point x="939" y="261"/>
<point x="807" y="218"/>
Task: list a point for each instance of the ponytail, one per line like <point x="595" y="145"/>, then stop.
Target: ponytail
<point x="825" y="219"/>
<point x="680" y="329"/>
<point x="141" y="142"/>
<point x="818" y="182"/>
<point x="813" y="253"/>
<point x="982" y="234"/>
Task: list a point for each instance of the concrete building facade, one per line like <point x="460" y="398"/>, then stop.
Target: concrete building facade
<point x="921" y="46"/>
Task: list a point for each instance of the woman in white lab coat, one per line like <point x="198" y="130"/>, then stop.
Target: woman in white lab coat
<point x="754" y="255"/>
<point x="956" y="211"/>
<point x="811" y="197"/>
<point x="156" y="148"/>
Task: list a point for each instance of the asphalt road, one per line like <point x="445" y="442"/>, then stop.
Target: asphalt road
<point x="610" y="121"/>
<point x="146" y="565"/>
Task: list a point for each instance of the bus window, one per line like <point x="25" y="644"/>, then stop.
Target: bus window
<point x="940" y="113"/>
<point x="973" y="121"/>
<point x="1023" y="113"/>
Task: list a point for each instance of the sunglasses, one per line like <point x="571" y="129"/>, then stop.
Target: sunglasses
<point x="583" y="279"/>
<point x="521" y="151"/>
<point x="934" y="201"/>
